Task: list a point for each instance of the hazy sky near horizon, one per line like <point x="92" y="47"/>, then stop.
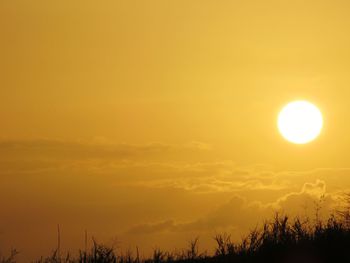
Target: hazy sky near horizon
<point x="158" y="118"/>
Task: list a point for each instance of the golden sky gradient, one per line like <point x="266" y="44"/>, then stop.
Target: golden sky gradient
<point x="155" y="121"/>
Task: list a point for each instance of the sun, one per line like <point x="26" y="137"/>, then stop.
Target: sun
<point x="300" y="122"/>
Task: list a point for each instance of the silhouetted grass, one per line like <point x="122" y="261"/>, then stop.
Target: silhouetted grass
<point x="280" y="240"/>
<point x="10" y="258"/>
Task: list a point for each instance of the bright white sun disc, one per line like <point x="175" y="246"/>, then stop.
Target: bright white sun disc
<point x="300" y="122"/>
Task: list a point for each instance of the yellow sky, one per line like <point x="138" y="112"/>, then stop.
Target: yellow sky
<point x="153" y="107"/>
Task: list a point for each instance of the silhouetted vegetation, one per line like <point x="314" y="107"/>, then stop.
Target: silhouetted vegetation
<point x="281" y="240"/>
<point x="10" y="258"/>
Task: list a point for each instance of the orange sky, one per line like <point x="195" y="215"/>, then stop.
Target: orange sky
<point x="156" y="120"/>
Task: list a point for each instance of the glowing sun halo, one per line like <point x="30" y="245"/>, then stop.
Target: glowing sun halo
<point x="300" y="122"/>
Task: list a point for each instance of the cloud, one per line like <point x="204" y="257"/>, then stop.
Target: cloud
<point x="311" y="199"/>
<point x="59" y="149"/>
<point x="96" y="156"/>
<point x="155" y="190"/>
<point x="156" y="165"/>
<point x="239" y="215"/>
<point x="160" y="166"/>
<point x="316" y="189"/>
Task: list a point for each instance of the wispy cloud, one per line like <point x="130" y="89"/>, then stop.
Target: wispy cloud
<point x="151" y="189"/>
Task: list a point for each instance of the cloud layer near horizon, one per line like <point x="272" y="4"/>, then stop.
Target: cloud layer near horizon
<point x="150" y="192"/>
